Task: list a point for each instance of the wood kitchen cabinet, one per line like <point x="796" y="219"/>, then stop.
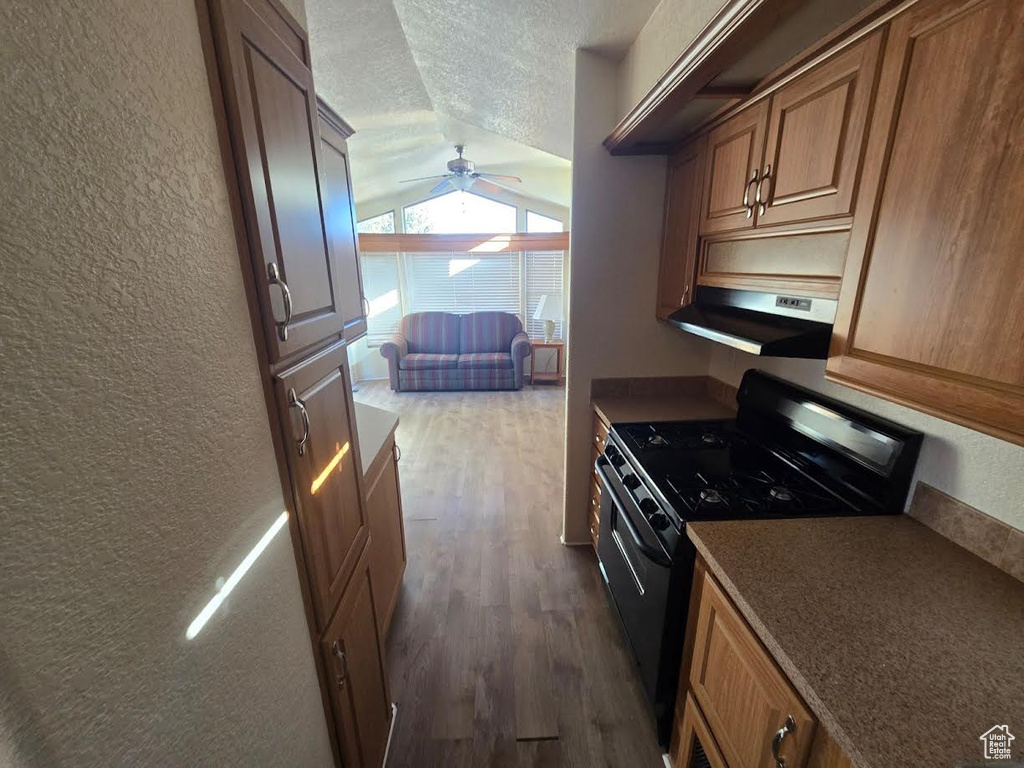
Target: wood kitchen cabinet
<point x="387" y="532"/>
<point x="271" y="113"/>
<point x="600" y="438"/>
<point x="677" y="271"/>
<point x="354" y="657"/>
<point x="315" y="397"/>
<point x="735" y="707"/>
<point x="931" y="312"/>
<point x="734" y="151"/>
<point x="339" y="214"/>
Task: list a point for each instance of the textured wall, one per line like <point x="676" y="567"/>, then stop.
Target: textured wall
<point x="137" y="466"/>
<point x="977" y="469"/>
<point x="616" y="234"/>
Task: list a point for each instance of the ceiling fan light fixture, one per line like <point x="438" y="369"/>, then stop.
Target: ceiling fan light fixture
<point x="462" y="183"/>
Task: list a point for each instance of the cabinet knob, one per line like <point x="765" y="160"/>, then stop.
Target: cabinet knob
<point x="295" y="402"/>
<point x="274" y="277"/>
<point x="789" y="727"/>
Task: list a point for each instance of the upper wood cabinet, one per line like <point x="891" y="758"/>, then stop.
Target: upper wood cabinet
<point x="931" y="312"/>
<point x="339" y="213"/>
<point x="271" y="110"/>
<point x="815" y="143"/>
<point x="315" y="397"/>
<point x="677" y="272"/>
<point x="353" y="654"/>
<point x="744" y="697"/>
<point x="734" y="151"/>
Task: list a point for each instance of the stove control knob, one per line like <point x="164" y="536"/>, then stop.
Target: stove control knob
<point x="617" y="460"/>
<point x="631" y="481"/>
<point x="649" y="507"/>
<point x="610" y="450"/>
<point x="659" y="521"/>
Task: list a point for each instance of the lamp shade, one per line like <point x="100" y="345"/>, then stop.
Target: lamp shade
<point x="549" y="308"/>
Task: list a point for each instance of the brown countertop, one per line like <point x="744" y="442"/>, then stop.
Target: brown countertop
<point x="373" y="426"/>
<point x="905" y="646"/>
<point x="660" y="407"/>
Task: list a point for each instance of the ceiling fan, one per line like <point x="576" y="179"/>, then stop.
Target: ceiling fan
<point x="461" y="176"/>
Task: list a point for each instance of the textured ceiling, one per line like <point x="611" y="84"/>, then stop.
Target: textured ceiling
<point x="414" y="77"/>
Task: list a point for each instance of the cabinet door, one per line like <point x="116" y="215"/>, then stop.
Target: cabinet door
<point x="931" y="311"/>
<point x="693" y="746"/>
<point x="815" y="144"/>
<point x="744" y="697"/>
<point x="734" y="151"/>
<point x="271" y="111"/>
<point x="354" y="660"/>
<point x="679" y="235"/>
<point x="323" y="458"/>
<point x="339" y="213"/>
<point x="387" y="538"/>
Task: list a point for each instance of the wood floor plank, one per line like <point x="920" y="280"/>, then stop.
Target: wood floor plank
<point x="500" y="632"/>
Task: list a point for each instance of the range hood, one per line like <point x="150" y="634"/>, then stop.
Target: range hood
<point x="767" y="324"/>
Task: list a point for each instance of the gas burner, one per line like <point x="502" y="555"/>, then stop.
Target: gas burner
<point x="657" y="441"/>
<point x="712" y="440"/>
<point x="711" y="496"/>
<point x="781" y="493"/>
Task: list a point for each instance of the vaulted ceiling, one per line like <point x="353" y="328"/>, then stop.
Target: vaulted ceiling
<point x="415" y="77"/>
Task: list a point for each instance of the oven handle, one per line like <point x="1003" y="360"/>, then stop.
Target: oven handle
<point x="651" y="553"/>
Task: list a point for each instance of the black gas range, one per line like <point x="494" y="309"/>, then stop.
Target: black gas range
<point x="789" y="452"/>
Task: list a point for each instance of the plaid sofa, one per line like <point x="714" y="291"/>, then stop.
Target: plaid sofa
<point x="438" y="350"/>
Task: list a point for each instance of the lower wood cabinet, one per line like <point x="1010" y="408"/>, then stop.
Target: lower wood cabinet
<point x="387" y="533"/>
<point x="353" y="654"/>
<point x="315" y="400"/>
<point x="600" y="438"/>
<point x="736" y="708"/>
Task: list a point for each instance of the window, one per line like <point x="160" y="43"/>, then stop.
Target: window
<point x="381" y="285"/>
<point x="459" y="283"/>
<point x="536" y="222"/>
<point x="378" y="225"/>
<point x="459" y="213"/>
<point x="543" y="276"/>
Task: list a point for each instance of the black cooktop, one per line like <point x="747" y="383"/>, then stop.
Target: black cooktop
<point x="710" y="470"/>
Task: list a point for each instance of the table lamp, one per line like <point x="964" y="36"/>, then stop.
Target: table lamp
<point x="549" y="309"/>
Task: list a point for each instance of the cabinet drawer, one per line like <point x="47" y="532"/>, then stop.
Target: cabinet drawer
<point x="595" y="497"/>
<point x="743" y="695"/>
<point x="693" y="746"/>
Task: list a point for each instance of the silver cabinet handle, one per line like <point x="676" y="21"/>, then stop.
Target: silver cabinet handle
<point x="398" y="453"/>
<point x="295" y="402"/>
<point x="343" y="677"/>
<point x="789" y="727"/>
<point x="746" y="194"/>
<point x="762" y="200"/>
<point x="274" y="276"/>
<point x="366" y="307"/>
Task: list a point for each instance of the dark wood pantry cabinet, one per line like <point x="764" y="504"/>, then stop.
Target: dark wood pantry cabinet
<point x="288" y="173"/>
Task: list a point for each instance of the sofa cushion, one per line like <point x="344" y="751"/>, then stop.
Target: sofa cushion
<point x="419" y="361"/>
<point x="486" y="360"/>
<point x="433" y="332"/>
<point x="488" y="332"/>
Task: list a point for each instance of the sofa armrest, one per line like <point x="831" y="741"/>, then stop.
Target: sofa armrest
<point x="395" y="348"/>
<point x="520" y="346"/>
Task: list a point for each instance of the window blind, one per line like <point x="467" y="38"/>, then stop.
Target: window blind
<point x="442" y="282"/>
<point x="543" y="276"/>
<point x="381" y="286"/>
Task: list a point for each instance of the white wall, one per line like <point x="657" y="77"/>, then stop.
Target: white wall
<point x="137" y="466"/>
<point x="616" y="231"/>
<point x="977" y="469"/>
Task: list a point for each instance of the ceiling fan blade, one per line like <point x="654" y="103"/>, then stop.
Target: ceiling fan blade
<point x="491" y="187"/>
<point x="439" y="187"/>
<point x="426" y="178"/>
<point x="498" y="177"/>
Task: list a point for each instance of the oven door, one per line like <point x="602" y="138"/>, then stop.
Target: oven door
<point x="637" y="573"/>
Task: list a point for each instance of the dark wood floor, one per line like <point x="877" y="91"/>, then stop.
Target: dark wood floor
<point x="503" y="650"/>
